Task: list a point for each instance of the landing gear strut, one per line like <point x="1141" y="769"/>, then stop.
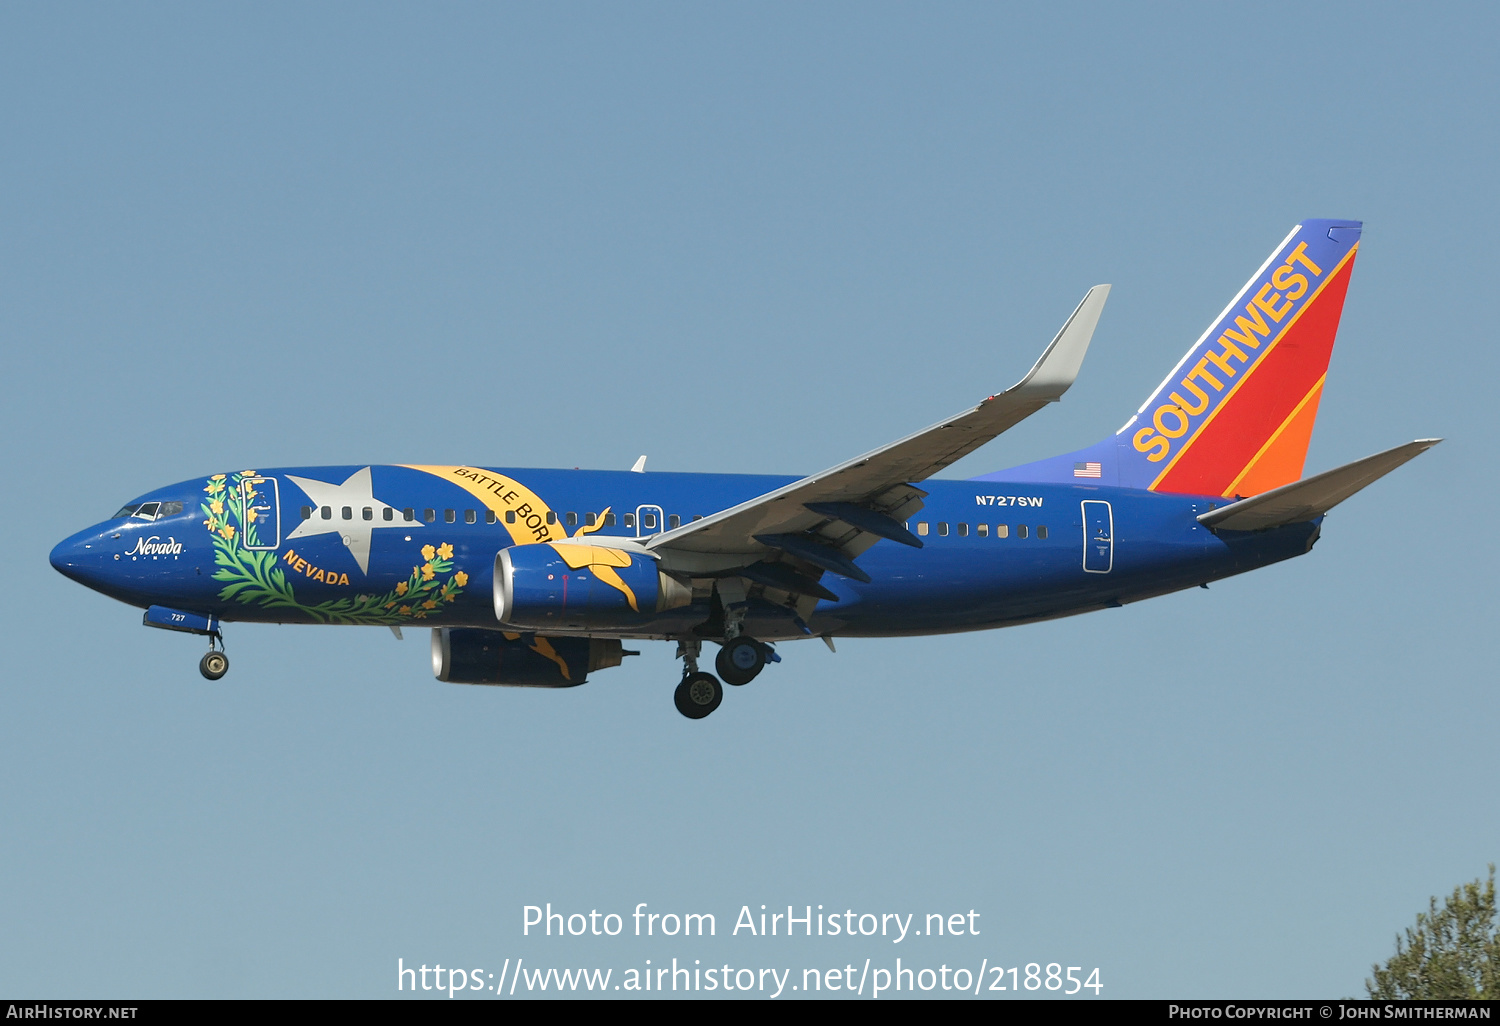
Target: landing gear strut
<point x="699" y="693"/>
<point x="740" y="659"/>
<point x="215" y="663"/>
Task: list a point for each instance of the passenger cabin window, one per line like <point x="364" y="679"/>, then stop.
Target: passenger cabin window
<point x="1002" y="530"/>
<point x="387" y="513"/>
<point x="922" y="527"/>
<point x="449" y="516"/>
<point x="609" y="520"/>
<point x="674" y="520"/>
<point x="648" y="521"/>
<point x="408" y="514"/>
<point x="963" y="530"/>
<point x="470" y="517"/>
<point x="429" y="515"/>
<point x="551" y="517"/>
<point x="367" y="513"/>
<point x="306" y="512"/>
<point x="1021" y="531"/>
<point x="327" y="512"/>
<point x="348" y="513"/>
<point x="1041" y="531"/>
<point x="489" y="516"/>
<point x="510" y="516"/>
<point x="629" y="519"/>
<point x="588" y="520"/>
<point x="572" y="519"/>
<point x="943" y="528"/>
<point x="982" y="530"/>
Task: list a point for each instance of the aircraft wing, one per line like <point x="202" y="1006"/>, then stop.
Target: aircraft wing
<point x="849" y="507"/>
<point x="1303" y="500"/>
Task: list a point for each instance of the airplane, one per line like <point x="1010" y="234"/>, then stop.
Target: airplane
<point x="537" y="578"/>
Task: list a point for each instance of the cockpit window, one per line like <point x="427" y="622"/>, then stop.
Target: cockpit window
<point x="147" y="510"/>
<point x="169" y="509"/>
<point x="126" y="511"/>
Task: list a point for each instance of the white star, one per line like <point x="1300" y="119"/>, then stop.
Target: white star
<point x="356" y="493"/>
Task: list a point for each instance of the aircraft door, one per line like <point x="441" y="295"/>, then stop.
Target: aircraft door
<point x="262" y="504"/>
<point x="649" y="520"/>
<point x="1098" y="537"/>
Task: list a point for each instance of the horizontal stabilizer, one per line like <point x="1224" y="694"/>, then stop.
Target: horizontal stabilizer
<point x="1303" y="500"/>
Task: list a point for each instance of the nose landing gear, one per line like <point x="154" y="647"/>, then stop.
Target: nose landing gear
<point x="215" y="662"/>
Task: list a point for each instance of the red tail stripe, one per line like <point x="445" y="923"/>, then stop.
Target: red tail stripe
<point x="1226" y="444"/>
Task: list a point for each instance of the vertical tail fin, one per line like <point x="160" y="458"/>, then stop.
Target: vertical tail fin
<point x="1235" y="416"/>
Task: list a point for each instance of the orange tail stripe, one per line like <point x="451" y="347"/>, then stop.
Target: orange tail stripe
<point x="1281" y="459"/>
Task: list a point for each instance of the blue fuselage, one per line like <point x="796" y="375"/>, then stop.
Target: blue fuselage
<point x="401" y="546"/>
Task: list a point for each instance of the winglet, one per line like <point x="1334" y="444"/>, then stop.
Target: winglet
<point x="640" y="466"/>
<point x="1303" y="500"/>
<point x="1058" y="365"/>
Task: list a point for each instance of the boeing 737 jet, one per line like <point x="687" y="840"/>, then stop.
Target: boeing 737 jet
<point x="537" y="578"/>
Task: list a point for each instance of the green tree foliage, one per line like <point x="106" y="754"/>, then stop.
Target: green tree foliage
<point x="1452" y="952"/>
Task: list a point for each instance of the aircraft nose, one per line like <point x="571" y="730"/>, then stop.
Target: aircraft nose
<point x="78" y="557"/>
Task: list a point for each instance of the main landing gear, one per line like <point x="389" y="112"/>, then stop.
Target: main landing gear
<point x="215" y="663"/>
<point x="699" y="693"/>
<point x="739" y="660"/>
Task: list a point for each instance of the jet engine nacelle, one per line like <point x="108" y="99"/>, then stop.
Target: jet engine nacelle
<point x="462" y="655"/>
<point x="570" y="586"/>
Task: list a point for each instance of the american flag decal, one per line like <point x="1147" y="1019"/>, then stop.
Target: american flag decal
<point x="1087" y="470"/>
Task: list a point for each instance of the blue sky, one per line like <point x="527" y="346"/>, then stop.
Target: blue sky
<point x="755" y="238"/>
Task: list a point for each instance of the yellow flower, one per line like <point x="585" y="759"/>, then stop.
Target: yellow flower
<point x="401" y="588"/>
<point x="449" y="596"/>
<point x="404" y="610"/>
<point x="445" y="551"/>
<point x="426" y="571"/>
<point x="429" y="604"/>
<point x="428" y="552"/>
<point x="216" y="506"/>
<point x="227" y="531"/>
<point x="461" y="578"/>
<point x="210" y="489"/>
<point x="217" y="477"/>
<point x="250" y="516"/>
<point x="248" y="473"/>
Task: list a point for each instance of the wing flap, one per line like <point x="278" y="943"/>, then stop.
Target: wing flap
<point x="1303" y="500"/>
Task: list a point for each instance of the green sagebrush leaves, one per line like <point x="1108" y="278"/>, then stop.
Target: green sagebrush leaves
<point x="253" y="577"/>
<point x="1452" y="952"/>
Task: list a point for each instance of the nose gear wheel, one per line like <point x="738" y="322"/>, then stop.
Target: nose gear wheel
<point x="214" y="664"/>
